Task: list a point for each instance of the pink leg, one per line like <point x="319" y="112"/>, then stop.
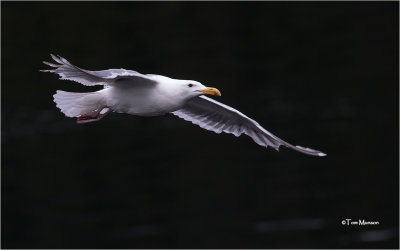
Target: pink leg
<point x="94" y="115"/>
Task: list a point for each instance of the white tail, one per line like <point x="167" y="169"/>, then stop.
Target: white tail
<point x="77" y="104"/>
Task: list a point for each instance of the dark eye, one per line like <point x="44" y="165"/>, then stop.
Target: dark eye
<point x="190" y="85"/>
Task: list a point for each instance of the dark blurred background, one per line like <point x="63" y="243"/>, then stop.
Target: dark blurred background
<point x="317" y="74"/>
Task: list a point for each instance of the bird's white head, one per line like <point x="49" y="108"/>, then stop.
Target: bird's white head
<point x="181" y="91"/>
<point x="193" y="89"/>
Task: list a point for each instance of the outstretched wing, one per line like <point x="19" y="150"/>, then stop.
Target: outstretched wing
<point x="218" y="117"/>
<point x="68" y="71"/>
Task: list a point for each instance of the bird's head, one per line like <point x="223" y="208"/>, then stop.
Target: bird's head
<point x="193" y="89"/>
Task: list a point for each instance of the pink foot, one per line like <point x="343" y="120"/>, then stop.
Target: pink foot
<point x="94" y="115"/>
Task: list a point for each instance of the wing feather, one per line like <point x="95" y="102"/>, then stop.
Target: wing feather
<point x="218" y="117"/>
<point x="68" y="71"/>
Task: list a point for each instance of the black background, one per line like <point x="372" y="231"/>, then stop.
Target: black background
<point x="317" y="74"/>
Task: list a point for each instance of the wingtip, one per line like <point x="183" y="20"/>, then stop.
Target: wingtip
<point x="58" y="59"/>
<point x="51" y="64"/>
<point x="310" y="151"/>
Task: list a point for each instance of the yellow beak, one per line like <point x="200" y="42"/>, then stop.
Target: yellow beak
<point x="211" y="91"/>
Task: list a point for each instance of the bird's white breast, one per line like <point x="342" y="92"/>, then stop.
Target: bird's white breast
<point x="143" y="101"/>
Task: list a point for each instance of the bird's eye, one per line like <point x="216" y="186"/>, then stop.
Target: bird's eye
<point x="190" y="85"/>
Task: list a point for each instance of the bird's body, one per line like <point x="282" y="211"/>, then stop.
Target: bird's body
<point x="132" y="99"/>
<point x="130" y="92"/>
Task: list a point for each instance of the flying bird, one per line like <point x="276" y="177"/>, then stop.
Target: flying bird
<point x="128" y="91"/>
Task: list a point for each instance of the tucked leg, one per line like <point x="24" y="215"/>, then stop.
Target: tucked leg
<point x="94" y="115"/>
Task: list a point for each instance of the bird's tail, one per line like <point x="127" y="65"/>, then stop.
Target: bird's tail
<point x="86" y="107"/>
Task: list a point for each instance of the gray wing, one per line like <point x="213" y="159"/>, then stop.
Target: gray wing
<point x="68" y="71"/>
<point x="218" y="117"/>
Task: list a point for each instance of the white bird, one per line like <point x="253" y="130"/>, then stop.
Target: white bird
<point x="127" y="91"/>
